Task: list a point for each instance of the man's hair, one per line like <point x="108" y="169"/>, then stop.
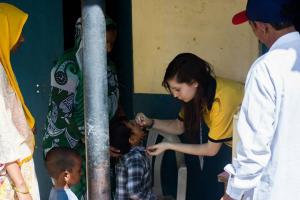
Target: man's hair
<point x="60" y="159"/>
<point x="281" y="25"/>
<point x="291" y="12"/>
<point x="119" y="135"/>
<point x="277" y="26"/>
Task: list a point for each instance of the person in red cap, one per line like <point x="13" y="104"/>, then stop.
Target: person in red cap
<point x="268" y="154"/>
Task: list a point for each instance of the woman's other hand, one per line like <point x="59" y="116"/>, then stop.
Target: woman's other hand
<point x="143" y="121"/>
<point x="157" y="148"/>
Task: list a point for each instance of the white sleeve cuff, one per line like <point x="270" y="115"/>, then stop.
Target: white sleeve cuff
<point x="234" y="193"/>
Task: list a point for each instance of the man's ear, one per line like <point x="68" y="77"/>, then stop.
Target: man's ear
<point x="262" y="27"/>
<point x="132" y="140"/>
<point x="194" y="83"/>
<point x="66" y="176"/>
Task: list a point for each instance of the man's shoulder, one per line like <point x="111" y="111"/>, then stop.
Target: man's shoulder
<point x="273" y="60"/>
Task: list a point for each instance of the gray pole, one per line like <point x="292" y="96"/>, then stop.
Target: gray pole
<point x="95" y="100"/>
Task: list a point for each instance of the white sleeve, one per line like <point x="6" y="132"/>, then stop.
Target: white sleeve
<point x="10" y="139"/>
<point x="256" y="130"/>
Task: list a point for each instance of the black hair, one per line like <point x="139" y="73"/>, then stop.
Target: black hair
<point x="60" y="159"/>
<point x="291" y="11"/>
<point x="110" y="24"/>
<point x="282" y="25"/>
<point x="119" y="135"/>
<point x="111" y="27"/>
<point x="187" y="68"/>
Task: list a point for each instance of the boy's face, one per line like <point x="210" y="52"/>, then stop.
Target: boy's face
<point x="75" y="173"/>
<point x="137" y="133"/>
<point x="111" y="36"/>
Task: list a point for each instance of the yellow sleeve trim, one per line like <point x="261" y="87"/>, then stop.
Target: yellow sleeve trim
<point x="27" y="159"/>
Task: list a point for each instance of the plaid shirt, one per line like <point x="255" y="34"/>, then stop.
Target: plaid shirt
<point x="133" y="176"/>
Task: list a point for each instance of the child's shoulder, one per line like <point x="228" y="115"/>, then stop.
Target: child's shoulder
<point x="135" y="154"/>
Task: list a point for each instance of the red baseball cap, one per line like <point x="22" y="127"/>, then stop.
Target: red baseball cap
<point x="239" y="18"/>
<point x="268" y="11"/>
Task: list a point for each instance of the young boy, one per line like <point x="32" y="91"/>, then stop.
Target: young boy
<point x="64" y="167"/>
<point x="133" y="170"/>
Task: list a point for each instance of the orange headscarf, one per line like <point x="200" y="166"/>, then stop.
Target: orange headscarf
<point x="12" y="21"/>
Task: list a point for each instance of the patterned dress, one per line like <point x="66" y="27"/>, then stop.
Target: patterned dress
<point x="16" y="141"/>
<point x="16" y="121"/>
<point x="65" y="118"/>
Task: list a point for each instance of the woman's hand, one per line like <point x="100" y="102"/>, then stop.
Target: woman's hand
<point x="143" y="121"/>
<point x="157" y="148"/>
<point x="22" y="192"/>
<point x="19" y="184"/>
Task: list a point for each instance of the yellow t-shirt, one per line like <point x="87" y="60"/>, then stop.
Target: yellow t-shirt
<point x="228" y="98"/>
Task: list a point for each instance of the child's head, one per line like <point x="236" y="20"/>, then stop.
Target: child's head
<point x="64" y="165"/>
<point x="124" y="134"/>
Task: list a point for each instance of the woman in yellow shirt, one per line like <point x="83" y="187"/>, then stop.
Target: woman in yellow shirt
<point x="204" y="97"/>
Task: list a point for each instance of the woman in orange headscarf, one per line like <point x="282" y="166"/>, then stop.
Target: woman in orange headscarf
<point x="17" y="174"/>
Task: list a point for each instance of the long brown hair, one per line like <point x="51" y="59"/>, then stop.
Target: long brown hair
<point x="187" y="68"/>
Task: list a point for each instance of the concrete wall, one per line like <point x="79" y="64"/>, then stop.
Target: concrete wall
<point x="164" y="28"/>
<point x="160" y="30"/>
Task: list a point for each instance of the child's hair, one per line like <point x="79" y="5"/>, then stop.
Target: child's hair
<point x="110" y="24"/>
<point x="119" y="135"/>
<point x="60" y="159"/>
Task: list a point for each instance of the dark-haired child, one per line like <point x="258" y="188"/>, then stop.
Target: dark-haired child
<point x="64" y="167"/>
<point x="133" y="170"/>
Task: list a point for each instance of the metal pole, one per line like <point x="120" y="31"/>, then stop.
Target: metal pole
<point x="95" y="100"/>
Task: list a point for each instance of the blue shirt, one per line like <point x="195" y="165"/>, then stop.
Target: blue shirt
<point x="62" y="194"/>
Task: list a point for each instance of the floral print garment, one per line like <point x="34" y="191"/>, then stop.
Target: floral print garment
<point x="65" y="118"/>
<point x="16" y="141"/>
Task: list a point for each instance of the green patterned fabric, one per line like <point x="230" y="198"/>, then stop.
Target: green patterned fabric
<point x="65" y="118"/>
